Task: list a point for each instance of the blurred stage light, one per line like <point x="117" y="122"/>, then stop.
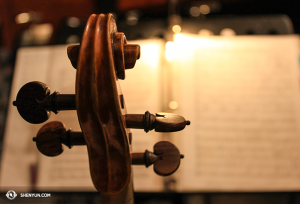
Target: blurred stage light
<point x="227" y="32"/>
<point x="195" y="11"/>
<point x="173" y="105"/>
<point x="205" y="32"/>
<point x="22" y="18"/>
<point x="204" y="9"/>
<point x="176" y="28"/>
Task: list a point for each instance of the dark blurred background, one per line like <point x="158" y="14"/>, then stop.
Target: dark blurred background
<point x="45" y="22"/>
<point x="58" y="12"/>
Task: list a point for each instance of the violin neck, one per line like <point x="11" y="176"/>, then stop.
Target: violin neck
<point x="124" y="197"/>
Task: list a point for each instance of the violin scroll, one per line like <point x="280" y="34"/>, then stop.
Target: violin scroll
<point x="100" y="61"/>
<point x="125" y="55"/>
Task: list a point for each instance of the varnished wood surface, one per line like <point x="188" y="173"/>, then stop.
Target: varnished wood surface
<point x="34" y="102"/>
<point x="169" y="160"/>
<point x="98" y="107"/>
<point x="169" y="122"/>
<point x="165" y="158"/>
<point x="126" y="196"/>
<point x="28" y="102"/>
<point x="160" y="122"/>
<point x="47" y="139"/>
<point x="52" y="135"/>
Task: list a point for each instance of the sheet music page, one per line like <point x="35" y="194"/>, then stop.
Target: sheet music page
<point x="70" y="170"/>
<point x="18" y="149"/>
<point x="242" y="97"/>
<point x="142" y="89"/>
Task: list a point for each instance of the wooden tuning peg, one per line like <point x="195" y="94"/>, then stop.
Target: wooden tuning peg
<point x="125" y="55"/>
<point x="52" y="135"/>
<point x="161" y="122"/>
<point x="73" y="53"/>
<point x="49" y="139"/>
<point x="34" y="102"/>
<point x="165" y="158"/>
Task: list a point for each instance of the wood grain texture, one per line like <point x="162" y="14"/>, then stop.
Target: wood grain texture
<point x="28" y="102"/>
<point x="52" y="135"/>
<point x="169" y="158"/>
<point x="47" y="139"/>
<point x="161" y="122"/>
<point x="98" y="107"/>
<point x="165" y="158"/>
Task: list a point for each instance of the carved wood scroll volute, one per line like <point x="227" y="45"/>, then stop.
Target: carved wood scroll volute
<point x="98" y="107"/>
<point x="101" y="59"/>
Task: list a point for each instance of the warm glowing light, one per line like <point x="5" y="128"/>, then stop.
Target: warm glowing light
<point x="170" y="55"/>
<point x="42" y="32"/>
<point x="173" y="105"/>
<point x="148" y="56"/>
<point x="185" y="45"/>
<point x="73" y="22"/>
<point x="176" y="28"/>
<point x="204" y="9"/>
<point x="22" y="18"/>
<point x="227" y="32"/>
<point x="132" y="17"/>
<point x="170" y="51"/>
<point x="169" y="45"/>
<point x="195" y="11"/>
<point x="184" y="42"/>
<point x="205" y="32"/>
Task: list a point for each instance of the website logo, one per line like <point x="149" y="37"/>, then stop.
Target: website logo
<point x="11" y="195"/>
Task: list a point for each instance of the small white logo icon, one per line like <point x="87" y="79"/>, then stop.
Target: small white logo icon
<point x="11" y="194"/>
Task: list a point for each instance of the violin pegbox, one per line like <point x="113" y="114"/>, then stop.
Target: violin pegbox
<point x="125" y="55"/>
<point x="99" y="105"/>
<point x="101" y="60"/>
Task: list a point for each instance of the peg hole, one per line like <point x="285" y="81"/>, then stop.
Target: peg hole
<point x="122" y="101"/>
